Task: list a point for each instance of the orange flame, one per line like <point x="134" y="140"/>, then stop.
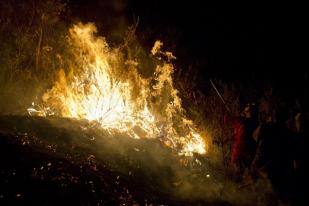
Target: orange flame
<point x="106" y="88"/>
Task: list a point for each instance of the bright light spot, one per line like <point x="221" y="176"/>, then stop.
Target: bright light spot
<point x="105" y="87"/>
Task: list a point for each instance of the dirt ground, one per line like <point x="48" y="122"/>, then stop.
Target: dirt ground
<point x="56" y="161"/>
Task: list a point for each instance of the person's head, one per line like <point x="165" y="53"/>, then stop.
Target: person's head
<point x="250" y="111"/>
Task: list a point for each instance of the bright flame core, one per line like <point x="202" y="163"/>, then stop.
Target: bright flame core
<point x="105" y="87"/>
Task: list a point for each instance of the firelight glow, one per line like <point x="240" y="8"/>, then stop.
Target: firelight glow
<point x="105" y="87"/>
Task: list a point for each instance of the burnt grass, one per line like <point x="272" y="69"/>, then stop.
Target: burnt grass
<point x="57" y="161"/>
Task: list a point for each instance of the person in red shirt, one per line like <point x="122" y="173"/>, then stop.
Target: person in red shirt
<point x="244" y="146"/>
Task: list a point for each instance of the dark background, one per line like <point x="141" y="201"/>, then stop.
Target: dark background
<point x="259" y="44"/>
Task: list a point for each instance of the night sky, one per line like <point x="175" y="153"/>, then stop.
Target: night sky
<point x="253" y="43"/>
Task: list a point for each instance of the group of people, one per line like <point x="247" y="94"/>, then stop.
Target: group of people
<point x="272" y="145"/>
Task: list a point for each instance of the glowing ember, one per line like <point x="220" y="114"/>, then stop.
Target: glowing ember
<point x="105" y="87"/>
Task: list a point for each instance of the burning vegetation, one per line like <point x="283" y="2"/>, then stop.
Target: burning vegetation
<point x="87" y="120"/>
<point x="104" y="87"/>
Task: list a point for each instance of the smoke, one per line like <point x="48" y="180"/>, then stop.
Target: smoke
<point x="147" y="163"/>
<point x="148" y="169"/>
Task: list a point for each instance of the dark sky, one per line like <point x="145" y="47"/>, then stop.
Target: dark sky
<point x="235" y="42"/>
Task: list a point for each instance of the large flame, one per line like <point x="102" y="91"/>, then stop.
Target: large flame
<point x="105" y="87"/>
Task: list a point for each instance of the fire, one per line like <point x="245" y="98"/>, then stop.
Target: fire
<point x="105" y="87"/>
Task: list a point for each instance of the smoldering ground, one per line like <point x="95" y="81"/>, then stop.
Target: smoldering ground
<point x="120" y="169"/>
